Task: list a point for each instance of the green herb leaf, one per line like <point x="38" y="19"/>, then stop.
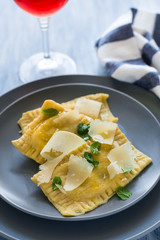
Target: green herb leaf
<point x="82" y="128"/>
<point x="54" y="187"/>
<point x="89" y="157"/>
<point x="50" y="112"/>
<point x="95" y="147"/>
<point x="56" y="180"/>
<point x="123" y="193"/>
<point x="85" y="136"/>
<point x="95" y="163"/>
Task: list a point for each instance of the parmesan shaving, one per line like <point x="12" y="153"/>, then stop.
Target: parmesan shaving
<point x="62" y="141"/>
<point x="79" y="170"/>
<point x="113" y="169"/>
<point x="123" y="156"/>
<point x="115" y="144"/>
<point x="102" y="131"/>
<point x="104" y="116"/>
<point x="60" y="188"/>
<point x="88" y="107"/>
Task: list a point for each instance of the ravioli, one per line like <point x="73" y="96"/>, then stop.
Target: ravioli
<point x="29" y="116"/>
<point x="99" y="184"/>
<point x="37" y="128"/>
<point x="98" y="187"/>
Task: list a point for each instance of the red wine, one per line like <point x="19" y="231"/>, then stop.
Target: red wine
<point x="41" y="8"/>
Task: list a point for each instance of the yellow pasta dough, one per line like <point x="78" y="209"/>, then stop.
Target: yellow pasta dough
<point x="29" y="116"/>
<point x="37" y="131"/>
<point x="99" y="187"/>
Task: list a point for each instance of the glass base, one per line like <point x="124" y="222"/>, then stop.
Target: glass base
<point x="37" y="67"/>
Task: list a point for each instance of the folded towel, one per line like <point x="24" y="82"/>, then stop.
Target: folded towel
<point x="129" y="49"/>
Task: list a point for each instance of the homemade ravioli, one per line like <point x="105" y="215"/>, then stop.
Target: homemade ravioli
<point x="83" y="155"/>
<point x="37" y="128"/>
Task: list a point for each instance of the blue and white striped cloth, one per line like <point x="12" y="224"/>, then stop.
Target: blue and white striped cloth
<point x="129" y="49"/>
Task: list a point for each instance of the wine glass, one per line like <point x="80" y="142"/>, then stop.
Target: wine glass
<point x="48" y="63"/>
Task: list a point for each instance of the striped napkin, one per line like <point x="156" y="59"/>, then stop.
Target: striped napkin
<point x="129" y="49"/>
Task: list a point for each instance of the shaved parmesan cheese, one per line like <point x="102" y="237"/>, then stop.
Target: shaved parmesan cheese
<point x="88" y="107"/>
<point x="60" y="188"/>
<point x="123" y="156"/>
<point x="63" y="142"/>
<point x="78" y="171"/>
<point x="45" y="174"/>
<point x="113" y="169"/>
<point x="115" y="144"/>
<point x="88" y="118"/>
<point x="48" y="168"/>
<point x="102" y="131"/>
<point x="104" y="116"/>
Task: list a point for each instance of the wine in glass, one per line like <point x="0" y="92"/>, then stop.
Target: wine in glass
<point x="48" y="63"/>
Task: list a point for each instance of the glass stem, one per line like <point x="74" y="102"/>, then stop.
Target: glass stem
<point x="44" y="25"/>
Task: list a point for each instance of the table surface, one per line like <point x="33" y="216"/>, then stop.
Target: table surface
<point x="73" y="31"/>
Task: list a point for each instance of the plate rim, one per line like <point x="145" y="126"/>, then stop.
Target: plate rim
<point x="51" y="80"/>
<point x="59" y="85"/>
<point x="134" y="237"/>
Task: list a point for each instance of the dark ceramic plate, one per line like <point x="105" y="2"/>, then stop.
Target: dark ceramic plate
<point x="135" y="120"/>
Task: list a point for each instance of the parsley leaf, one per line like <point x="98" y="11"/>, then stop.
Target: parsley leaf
<point x="56" y="180"/>
<point x="89" y="157"/>
<point x="123" y="193"/>
<point x="82" y="128"/>
<point x="50" y="112"/>
<point x="95" y="147"/>
<point x="95" y="163"/>
<point x="85" y="136"/>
